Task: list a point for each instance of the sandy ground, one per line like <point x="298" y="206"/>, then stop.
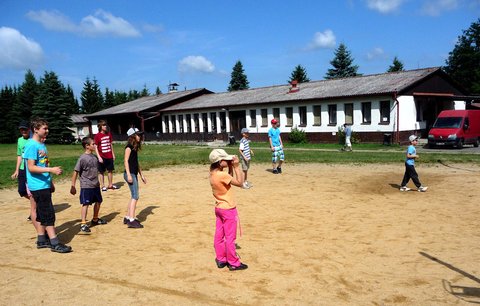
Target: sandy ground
<point x="314" y="235"/>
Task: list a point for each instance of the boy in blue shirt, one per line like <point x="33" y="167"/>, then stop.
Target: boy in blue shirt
<point x="41" y="186"/>
<point x="410" y="172"/>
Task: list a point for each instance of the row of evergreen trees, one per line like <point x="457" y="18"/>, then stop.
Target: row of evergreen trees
<point x="51" y="100"/>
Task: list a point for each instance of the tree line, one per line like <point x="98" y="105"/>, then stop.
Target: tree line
<point x="48" y="98"/>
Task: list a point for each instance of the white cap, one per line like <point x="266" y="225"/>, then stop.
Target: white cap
<point x="412" y="138"/>
<point x="132" y="131"/>
<point x="218" y="155"/>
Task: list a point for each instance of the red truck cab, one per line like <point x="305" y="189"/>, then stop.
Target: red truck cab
<point x="455" y="128"/>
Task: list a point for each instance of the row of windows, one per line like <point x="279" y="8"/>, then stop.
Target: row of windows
<point x="332" y="114"/>
<point x="366" y="111"/>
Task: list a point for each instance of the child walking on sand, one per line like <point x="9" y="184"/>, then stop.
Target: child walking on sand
<point x="245" y="156"/>
<point x="410" y="172"/>
<point x="225" y="208"/>
<point x="276" y="145"/>
<point x="41" y="186"/>
<point x="132" y="170"/>
<point x="87" y="169"/>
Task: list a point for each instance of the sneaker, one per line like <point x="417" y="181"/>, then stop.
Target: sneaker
<point x="279" y="170"/>
<point x="125" y="220"/>
<point x="99" y="221"/>
<point x="84" y="228"/>
<point x="134" y="224"/>
<point x="220" y="264"/>
<point x="29" y="218"/>
<point x="249" y="184"/>
<point x="43" y="245"/>
<point x="113" y="187"/>
<point x="275" y="171"/>
<point x="405" y="188"/>
<point x="104" y="188"/>
<point x="61" y="248"/>
<point x="240" y="267"/>
<point x="245" y="185"/>
<point x="422" y="189"/>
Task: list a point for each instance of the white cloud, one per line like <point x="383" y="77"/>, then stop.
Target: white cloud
<point x="102" y="23"/>
<point x="384" y="6"/>
<point x="153" y="28"/>
<point x="376" y="53"/>
<point x="322" y="40"/>
<point x="53" y="20"/>
<point x="18" y="51"/>
<point x="437" y="7"/>
<point x="195" y="64"/>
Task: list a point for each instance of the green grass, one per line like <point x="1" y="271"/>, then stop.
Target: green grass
<point x="155" y="156"/>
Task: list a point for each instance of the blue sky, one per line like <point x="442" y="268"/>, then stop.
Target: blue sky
<point x="128" y="44"/>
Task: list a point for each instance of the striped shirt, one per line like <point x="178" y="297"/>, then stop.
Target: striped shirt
<point x="245" y="147"/>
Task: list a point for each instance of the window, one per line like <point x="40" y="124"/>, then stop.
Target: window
<point x="264" y="117"/>
<point x="167" y="126"/>
<point x="223" y="122"/>
<point x="276" y="114"/>
<point x="289" y="114"/>
<point x="317" y="115"/>
<point x="180" y="122"/>
<point x="385" y="112"/>
<point x="253" y="118"/>
<point x="332" y="114"/>
<point x="188" y="118"/>
<point x="173" y="119"/>
<point x="196" y="123"/>
<point x="213" y="119"/>
<point x="302" y="111"/>
<point x="205" y="122"/>
<point x="349" y="113"/>
<point x="367" y="112"/>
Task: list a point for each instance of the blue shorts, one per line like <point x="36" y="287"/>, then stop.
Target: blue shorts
<point x="278" y="154"/>
<point x="89" y="196"/>
<point x="133" y="186"/>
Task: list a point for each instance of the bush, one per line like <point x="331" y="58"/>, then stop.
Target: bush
<point x="297" y="136"/>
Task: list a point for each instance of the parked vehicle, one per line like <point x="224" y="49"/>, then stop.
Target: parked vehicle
<point x="455" y="128"/>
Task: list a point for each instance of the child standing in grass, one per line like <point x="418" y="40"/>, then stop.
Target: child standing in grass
<point x="410" y="172"/>
<point x="87" y="169"/>
<point x="132" y="170"/>
<point x="40" y="183"/>
<point x="20" y="172"/>
<point x="245" y="156"/>
<point x="225" y="208"/>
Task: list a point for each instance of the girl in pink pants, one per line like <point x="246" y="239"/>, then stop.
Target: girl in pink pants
<point x="225" y="208"/>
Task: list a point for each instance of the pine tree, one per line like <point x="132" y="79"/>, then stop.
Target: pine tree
<point x="73" y="107"/>
<point x="109" y="98"/>
<point x="26" y="96"/>
<point x="464" y="60"/>
<point x="158" y="91"/>
<point x="299" y="74"/>
<point x="342" y="64"/>
<point x="53" y="105"/>
<point x="145" y="92"/>
<point x="8" y="95"/>
<point x="397" y="65"/>
<point x="238" y="79"/>
<point x="91" y="97"/>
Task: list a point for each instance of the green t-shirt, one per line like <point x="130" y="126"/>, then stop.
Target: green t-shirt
<point x="20" y="149"/>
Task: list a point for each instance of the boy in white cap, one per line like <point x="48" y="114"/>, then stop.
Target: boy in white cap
<point x="245" y="156"/>
<point x="225" y="208"/>
<point x="410" y="172"/>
